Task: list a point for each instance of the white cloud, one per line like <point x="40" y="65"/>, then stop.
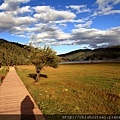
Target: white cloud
<point x="16" y="1"/>
<point x="13" y="15"/>
<point x="105" y="3"/>
<point x="42" y="9"/>
<point x="49" y="35"/>
<point x="112" y="12"/>
<point x="12" y="4"/>
<point x="47" y="25"/>
<point x="20" y="30"/>
<point x="71" y="21"/>
<point x="79" y="8"/>
<point x="22" y="36"/>
<point x="6" y="21"/>
<point x="23" y="10"/>
<point x="84" y="25"/>
<point x="25" y="20"/>
<point x="106" y="7"/>
<point x="89" y="36"/>
<point x="46" y="13"/>
<point x="93" y="36"/>
<point x="3" y="6"/>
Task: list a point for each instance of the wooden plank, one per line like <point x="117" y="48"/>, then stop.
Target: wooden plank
<point x="15" y="98"/>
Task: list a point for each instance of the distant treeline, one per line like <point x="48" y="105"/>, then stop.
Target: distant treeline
<point x="96" y="54"/>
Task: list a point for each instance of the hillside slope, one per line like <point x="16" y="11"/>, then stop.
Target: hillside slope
<point x="96" y="54"/>
<point x="13" y="53"/>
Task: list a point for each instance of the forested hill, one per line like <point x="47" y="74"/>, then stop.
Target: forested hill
<point x="14" y="53"/>
<point x="96" y="54"/>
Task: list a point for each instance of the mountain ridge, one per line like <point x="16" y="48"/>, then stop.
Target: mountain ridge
<point x="112" y="52"/>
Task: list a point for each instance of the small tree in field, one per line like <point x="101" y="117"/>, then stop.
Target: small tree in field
<point x="44" y="57"/>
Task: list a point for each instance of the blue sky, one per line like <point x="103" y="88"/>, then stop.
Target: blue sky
<point x="64" y="25"/>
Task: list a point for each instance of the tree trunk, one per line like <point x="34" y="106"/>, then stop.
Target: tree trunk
<point x="38" y="76"/>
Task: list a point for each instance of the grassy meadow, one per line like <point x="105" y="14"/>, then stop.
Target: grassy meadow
<point x="75" y="89"/>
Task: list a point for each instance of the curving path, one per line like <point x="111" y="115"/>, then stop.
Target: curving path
<point x="15" y="99"/>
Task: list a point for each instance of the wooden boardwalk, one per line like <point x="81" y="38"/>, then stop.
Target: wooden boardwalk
<point x="15" y="99"/>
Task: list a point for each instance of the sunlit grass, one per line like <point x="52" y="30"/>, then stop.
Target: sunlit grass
<point x="3" y="73"/>
<point x="75" y="89"/>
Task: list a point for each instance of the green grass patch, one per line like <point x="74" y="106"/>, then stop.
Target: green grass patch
<point x="75" y="89"/>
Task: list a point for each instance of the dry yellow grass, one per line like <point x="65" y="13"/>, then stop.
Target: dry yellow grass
<point x="76" y="89"/>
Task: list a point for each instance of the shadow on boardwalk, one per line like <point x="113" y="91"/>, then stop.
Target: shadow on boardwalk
<point x="15" y="101"/>
<point x="27" y="107"/>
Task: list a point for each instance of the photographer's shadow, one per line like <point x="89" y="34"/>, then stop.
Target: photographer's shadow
<point x="27" y="107"/>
